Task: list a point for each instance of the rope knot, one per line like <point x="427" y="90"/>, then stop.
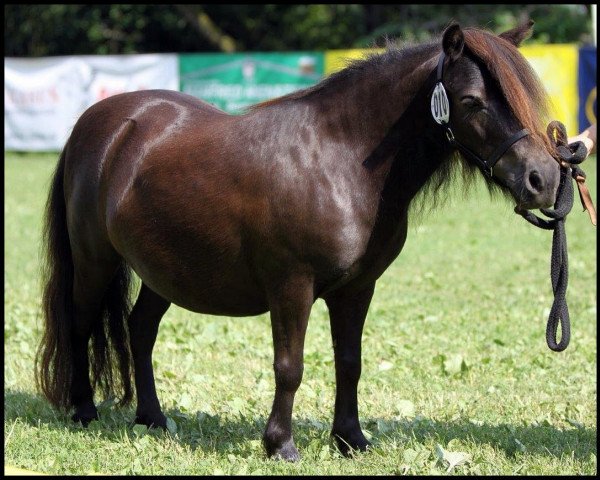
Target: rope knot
<point x="569" y="156"/>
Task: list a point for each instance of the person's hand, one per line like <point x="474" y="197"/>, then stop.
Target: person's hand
<point x="588" y="137"/>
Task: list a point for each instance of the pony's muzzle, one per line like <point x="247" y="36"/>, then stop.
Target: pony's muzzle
<point x="540" y="187"/>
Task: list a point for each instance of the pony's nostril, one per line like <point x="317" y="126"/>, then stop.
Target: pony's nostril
<point x="535" y="181"/>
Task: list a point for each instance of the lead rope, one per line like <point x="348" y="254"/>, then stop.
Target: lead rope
<point x="569" y="156"/>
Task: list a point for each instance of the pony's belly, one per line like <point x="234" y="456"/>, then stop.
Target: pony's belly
<point x="209" y="292"/>
<point x="248" y="309"/>
<point x="189" y="257"/>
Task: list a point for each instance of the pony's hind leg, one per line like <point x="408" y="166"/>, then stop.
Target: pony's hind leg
<point x="143" y="327"/>
<point x="347" y="313"/>
<point x="90" y="283"/>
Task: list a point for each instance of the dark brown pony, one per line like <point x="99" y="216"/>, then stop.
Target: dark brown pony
<point x="267" y="211"/>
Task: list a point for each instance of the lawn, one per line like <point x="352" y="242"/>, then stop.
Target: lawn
<point x="457" y="377"/>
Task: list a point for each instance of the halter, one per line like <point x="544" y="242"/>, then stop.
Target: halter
<point x="440" y="110"/>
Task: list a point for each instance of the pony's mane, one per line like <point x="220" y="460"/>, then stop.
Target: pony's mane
<point x="354" y="69"/>
<point x="518" y="82"/>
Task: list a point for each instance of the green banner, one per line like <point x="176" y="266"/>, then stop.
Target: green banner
<point x="234" y="81"/>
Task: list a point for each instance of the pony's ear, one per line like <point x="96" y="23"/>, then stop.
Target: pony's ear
<point x="518" y="34"/>
<point x="453" y="41"/>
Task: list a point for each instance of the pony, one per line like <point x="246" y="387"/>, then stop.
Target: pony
<point x="302" y="197"/>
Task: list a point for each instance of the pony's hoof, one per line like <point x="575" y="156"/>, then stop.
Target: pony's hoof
<point x="351" y="443"/>
<point x="85" y="416"/>
<point x="152" y="421"/>
<point x="287" y="451"/>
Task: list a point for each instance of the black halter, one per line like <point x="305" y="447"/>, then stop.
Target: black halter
<point x="486" y="166"/>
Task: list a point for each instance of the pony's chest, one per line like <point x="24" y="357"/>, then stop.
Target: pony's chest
<point x="366" y="262"/>
<point x="385" y="245"/>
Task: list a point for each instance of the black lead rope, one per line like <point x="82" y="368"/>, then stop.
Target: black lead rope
<point x="569" y="157"/>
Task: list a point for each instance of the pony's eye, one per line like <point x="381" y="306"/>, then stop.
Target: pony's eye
<point x="472" y="102"/>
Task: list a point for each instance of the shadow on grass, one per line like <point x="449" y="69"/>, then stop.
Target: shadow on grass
<point x="234" y="434"/>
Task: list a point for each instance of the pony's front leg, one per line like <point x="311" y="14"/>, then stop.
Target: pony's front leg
<point x="290" y="304"/>
<point x="347" y="313"/>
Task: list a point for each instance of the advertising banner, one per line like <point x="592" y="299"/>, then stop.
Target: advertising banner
<point x="234" y="81"/>
<point x="556" y="65"/>
<point x="42" y="100"/>
<point x="113" y="74"/>
<point x="44" y="97"/>
<point x="588" y="111"/>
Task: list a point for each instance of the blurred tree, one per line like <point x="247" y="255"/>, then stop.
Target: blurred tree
<point x="39" y="30"/>
<point x="198" y="18"/>
<point x="42" y="30"/>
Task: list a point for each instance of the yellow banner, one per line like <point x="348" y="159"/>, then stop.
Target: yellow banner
<point x="556" y="65"/>
<point x="337" y="59"/>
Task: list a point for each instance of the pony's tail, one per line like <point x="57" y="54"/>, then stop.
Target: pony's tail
<point x="53" y="363"/>
<point x="54" y="359"/>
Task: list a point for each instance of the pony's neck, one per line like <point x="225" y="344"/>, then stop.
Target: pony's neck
<point x="384" y="115"/>
<point x="363" y="102"/>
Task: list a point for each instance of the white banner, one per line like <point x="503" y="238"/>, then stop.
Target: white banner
<point x="42" y="100"/>
<point x="44" y="97"/>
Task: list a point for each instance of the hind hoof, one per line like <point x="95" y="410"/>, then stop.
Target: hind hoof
<point x="85" y="415"/>
<point x="351" y="443"/>
<point x="152" y="421"/>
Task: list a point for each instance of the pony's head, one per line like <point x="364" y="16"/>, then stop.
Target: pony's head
<point x="498" y="110"/>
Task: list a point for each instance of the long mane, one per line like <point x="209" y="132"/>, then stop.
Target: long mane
<point x="372" y="65"/>
<point x="518" y="82"/>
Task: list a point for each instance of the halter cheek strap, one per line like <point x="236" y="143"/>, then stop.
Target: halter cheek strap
<point x="440" y="110"/>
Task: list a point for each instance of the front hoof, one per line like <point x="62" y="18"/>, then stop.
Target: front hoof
<point x="152" y="421"/>
<point x="287" y="451"/>
<point x="348" y="444"/>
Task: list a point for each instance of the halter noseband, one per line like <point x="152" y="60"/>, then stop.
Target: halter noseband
<point x="440" y="110"/>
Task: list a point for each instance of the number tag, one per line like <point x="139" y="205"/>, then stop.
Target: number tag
<point x="440" y="107"/>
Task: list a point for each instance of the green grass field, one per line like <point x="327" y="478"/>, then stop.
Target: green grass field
<point x="457" y="377"/>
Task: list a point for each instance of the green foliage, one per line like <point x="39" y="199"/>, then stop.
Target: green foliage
<point x="41" y="30"/>
<point x="553" y="23"/>
<point x="456" y="376"/>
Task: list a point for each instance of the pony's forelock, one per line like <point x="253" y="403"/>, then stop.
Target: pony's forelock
<point x="518" y="82"/>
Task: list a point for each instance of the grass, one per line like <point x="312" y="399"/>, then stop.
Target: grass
<point x="457" y="377"/>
